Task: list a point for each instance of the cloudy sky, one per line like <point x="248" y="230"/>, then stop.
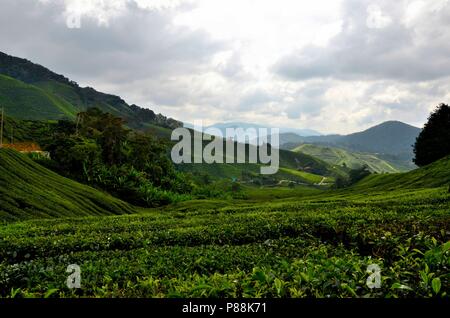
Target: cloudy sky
<point x="335" y="66"/>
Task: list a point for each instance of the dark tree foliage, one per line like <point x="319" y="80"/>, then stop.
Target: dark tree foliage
<point x="354" y="175"/>
<point x="73" y="153"/>
<point x="340" y="182"/>
<point x="66" y="127"/>
<point x="107" y="130"/>
<point x="99" y="150"/>
<point x="433" y="143"/>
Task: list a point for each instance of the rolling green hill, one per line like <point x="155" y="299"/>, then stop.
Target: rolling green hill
<point x="251" y="172"/>
<point x="31" y="91"/>
<point x="30" y="191"/>
<point x="337" y="156"/>
<point x="307" y="163"/>
<point x="19" y="98"/>
<point x="297" y="167"/>
<point x="434" y="175"/>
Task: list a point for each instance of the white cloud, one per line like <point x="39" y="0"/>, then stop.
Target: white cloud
<point x="376" y="19"/>
<point x="103" y="11"/>
<point x="261" y="30"/>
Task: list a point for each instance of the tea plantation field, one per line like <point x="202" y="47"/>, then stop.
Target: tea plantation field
<point x="298" y="243"/>
<point x="28" y="190"/>
<point x="319" y="246"/>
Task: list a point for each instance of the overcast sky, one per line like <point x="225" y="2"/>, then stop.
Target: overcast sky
<point x="333" y="66"/>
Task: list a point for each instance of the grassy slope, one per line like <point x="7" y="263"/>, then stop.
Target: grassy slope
<point x="35" y="102"/>
<point x="337" y="156"/>
<point x="308" y="177"/>
<point x="39" y="93"/>
<point x="49" y="100"/>
<point x="28" y="190"/>
<point x="234" y="171"/>
<point x="70" y="95"/>
<point x="298" y="167"/>
<point x="63" y="91"/>
<point x="434" y="175"/>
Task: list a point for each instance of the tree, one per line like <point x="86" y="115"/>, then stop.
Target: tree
<point x="340" y="182"/>
<point x="107" y="130"/>
<point x="112" y="138"/>
<point x="354" y="175"/>
<point x="358" y="174"/>
<point x="66" y="127"/>
<point x="433" y="143"/>
<point x="74" y="154"/>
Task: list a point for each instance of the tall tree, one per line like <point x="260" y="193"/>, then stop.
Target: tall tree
<point x="433" y="143"/>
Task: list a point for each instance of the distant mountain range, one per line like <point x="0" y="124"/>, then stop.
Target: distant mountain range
<point x="391" y="141"/>
<point x="31" y="91"/>
<point x="223" y="126"/>
<point x="391" y="138"/>
<point x="387" y="147"/>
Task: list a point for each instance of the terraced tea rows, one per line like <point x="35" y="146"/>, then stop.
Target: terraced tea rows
<point x="318" y="246"/>
<point x="30" y="191"/>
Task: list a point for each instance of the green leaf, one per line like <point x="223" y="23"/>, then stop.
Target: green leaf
<point x="304" y="276"/>
<point x="50" y="292"/>
<point x="278" y="285"/>
<point x="446" y="247"/>
<point x="14" y="292"/>
<point x="400" y="286"/>
<point x="349" y="289"/>
<point x="424" y="277"/>
<point x="259" y="275"/>
<point x="436" y="285"/>
<point x="418" y="251"/>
